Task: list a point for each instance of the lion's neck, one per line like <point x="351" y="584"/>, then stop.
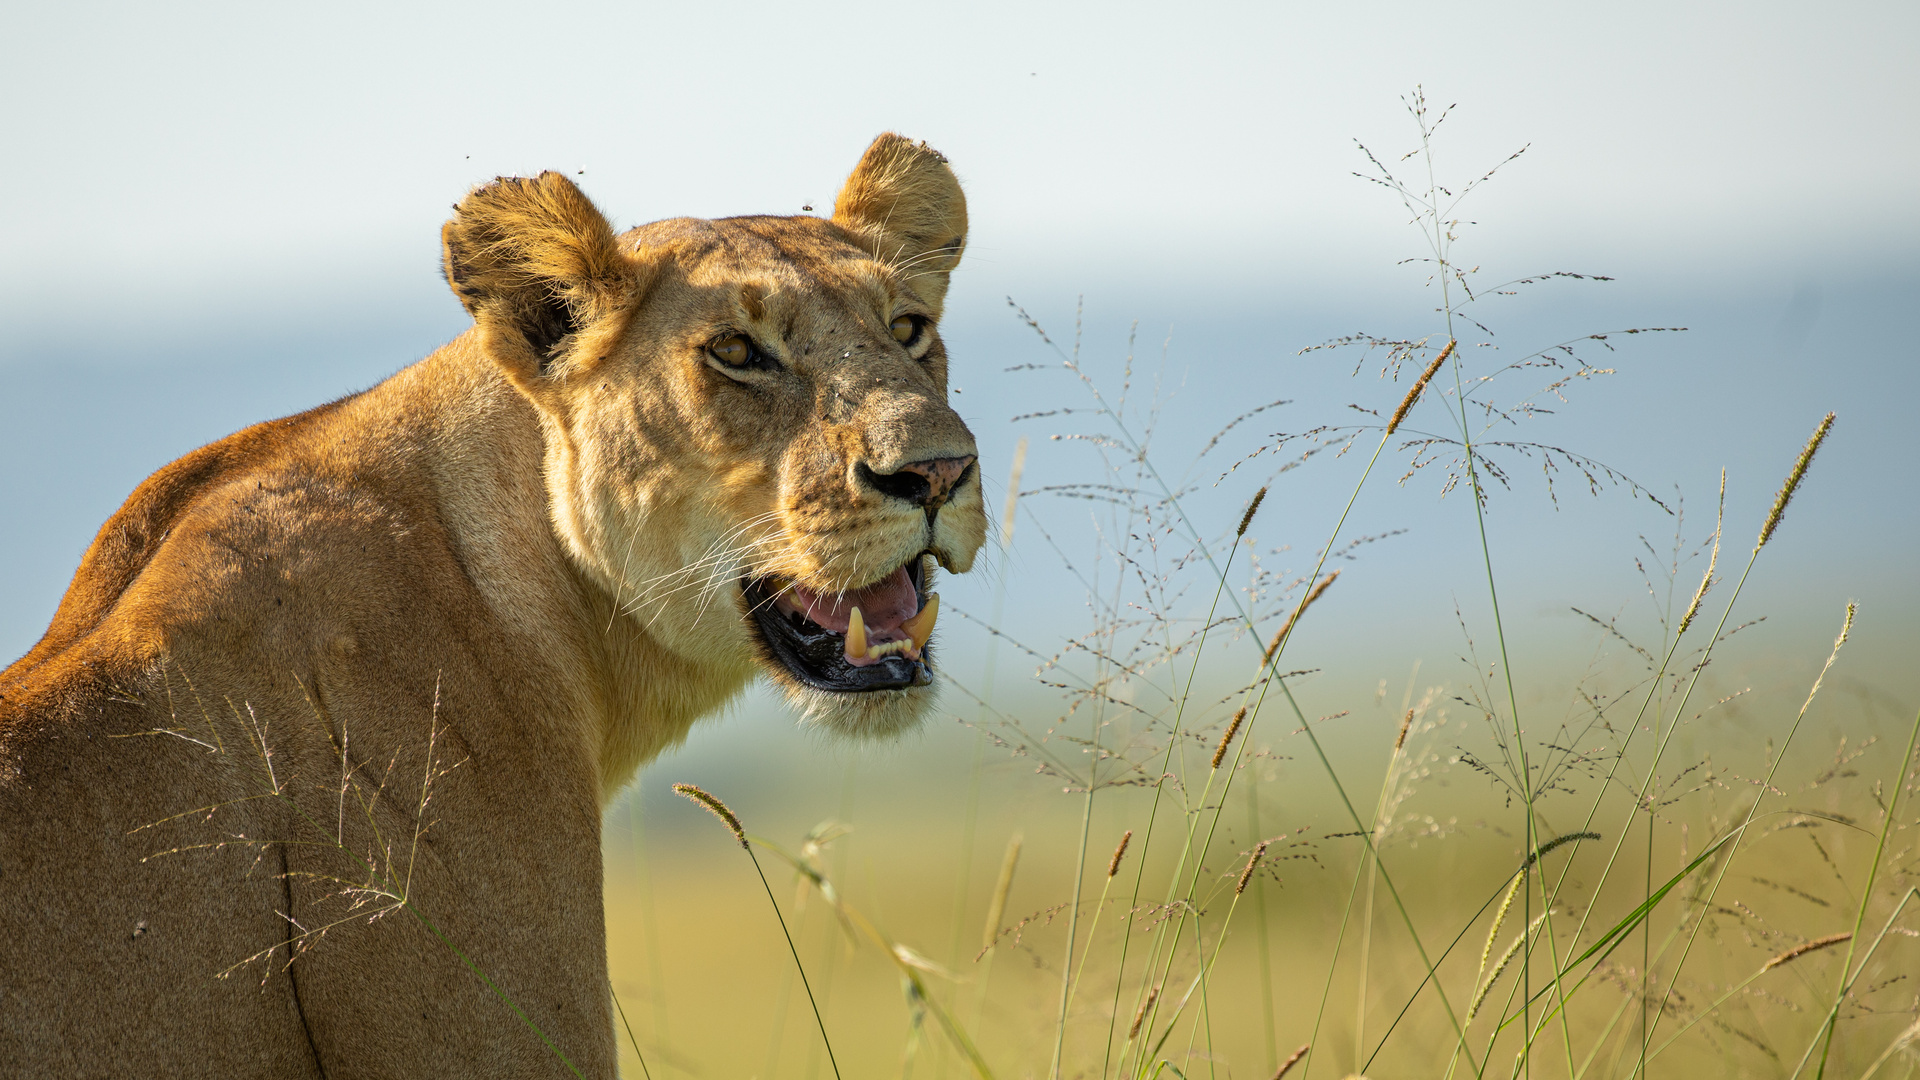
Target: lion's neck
<point x="622" y="695"/>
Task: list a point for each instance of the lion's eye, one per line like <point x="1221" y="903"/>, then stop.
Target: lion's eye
<point x="733" y="352"/>
<point x="905" y="328"/>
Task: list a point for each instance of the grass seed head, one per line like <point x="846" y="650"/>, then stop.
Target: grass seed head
<point x="1801" y="950"/>
<point x="712" y="802"/>
<point x="1500" y="918"/>
<point x="1294" y="1059"/>
<point x="1013" y="492"/>
<point x="1419" y="384"/>
<point x="1794" y="477"/>
<point x="997" y="909"/>
<point x="1140" y="1017"/>
<point x="1706" y="580"/>
<point x="1253" y="507"/>
<point x="1506" y="958"/>
<point x="1253" y="861"/>
<point x="1400" y="740"/>
<point x="1558" y="841"/>
<point x="1220" y="752"/>
<point x="1113" y="864"/>
<point x="1287" y="627"/>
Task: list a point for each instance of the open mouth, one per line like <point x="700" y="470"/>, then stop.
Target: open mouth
<point x="871" y="638"/>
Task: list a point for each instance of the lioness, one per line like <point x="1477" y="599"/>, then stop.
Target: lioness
<point x="306" y="776"/>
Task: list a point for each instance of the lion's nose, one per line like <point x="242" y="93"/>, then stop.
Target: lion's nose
<point x="926" y="484"/>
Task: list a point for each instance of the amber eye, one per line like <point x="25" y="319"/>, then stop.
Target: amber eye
<point x="904" y="328"/>
<point x="733" y="352"/>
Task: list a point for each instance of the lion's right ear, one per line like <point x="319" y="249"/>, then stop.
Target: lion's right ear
<point x="536" y="265"/>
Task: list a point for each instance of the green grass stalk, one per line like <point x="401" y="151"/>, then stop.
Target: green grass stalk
<point x="1100" y="907"/>
<point x="631" y="1040"/>
<point x="1080" y="860"/>
<point x="727" y="817"/>
<point x="797" y="965"/>
<point x="1269" y="664"/>
<point x="649" y="920"/>
<point x="1734" y="848"/>
<point x="1824" y="1038"/>
<point x="1866" y="895"/>
<point x="1679" y="709"/>
<point x="1260" y="928"/>
<point x="1153" y="811"/>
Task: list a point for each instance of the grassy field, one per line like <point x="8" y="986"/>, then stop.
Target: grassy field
<point x="710" y="988"/>
<point x="1632" y="866"/>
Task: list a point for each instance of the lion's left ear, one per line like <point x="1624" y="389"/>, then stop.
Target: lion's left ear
<point x="906" y="207"/>
<point x="536" y="265"/>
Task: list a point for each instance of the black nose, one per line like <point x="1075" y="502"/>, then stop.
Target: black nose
<point x="927" y="484"/>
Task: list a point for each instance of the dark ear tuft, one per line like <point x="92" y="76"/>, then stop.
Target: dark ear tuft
<point x="535" y="263"/>
<point x="906" y="207"/>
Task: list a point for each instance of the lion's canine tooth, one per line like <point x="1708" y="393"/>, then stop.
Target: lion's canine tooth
<point x="856" y="636"/>
<point x="920" y="626"/>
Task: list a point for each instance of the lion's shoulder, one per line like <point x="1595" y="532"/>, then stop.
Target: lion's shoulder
<point x="92" y="627"/>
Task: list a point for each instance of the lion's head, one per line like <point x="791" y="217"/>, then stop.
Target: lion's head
<point x="748" y="441"/>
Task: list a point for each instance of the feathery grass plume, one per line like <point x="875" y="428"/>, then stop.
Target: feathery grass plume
<point x="1801" y="950"/>
<point x="1253" y="507"/>
<point x="1400" y="740"/>
<point x="712" y="802"/>
<point x="997" y="909"/>
<point x="1113" y="864"/>
<point x="1253" y="861"/>
<point x="1287" y="627"/>
<point x="1013" y="492"/>
<point x="1787" y="489"/>
<point x="1140" y="1016"/>
<point x="1499" y="919"/>
<point x="1220" y="752"/>
<point x="1713" y="560"/>
<point x="1499" y="968"/>
<point x="1419" y="384"/>
<point x="1287" y="1065"/>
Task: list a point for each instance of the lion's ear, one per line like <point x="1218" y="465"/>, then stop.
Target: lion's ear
<point x="536" y="265"/>
<point x="905" y="205"/>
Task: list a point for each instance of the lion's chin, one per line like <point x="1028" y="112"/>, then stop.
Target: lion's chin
<point x="873" y="715"/>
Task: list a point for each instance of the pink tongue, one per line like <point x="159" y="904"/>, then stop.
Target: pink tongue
<point x="883" y="605"/>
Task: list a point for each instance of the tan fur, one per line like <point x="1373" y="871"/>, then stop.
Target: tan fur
<point x="407" y="646"/>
